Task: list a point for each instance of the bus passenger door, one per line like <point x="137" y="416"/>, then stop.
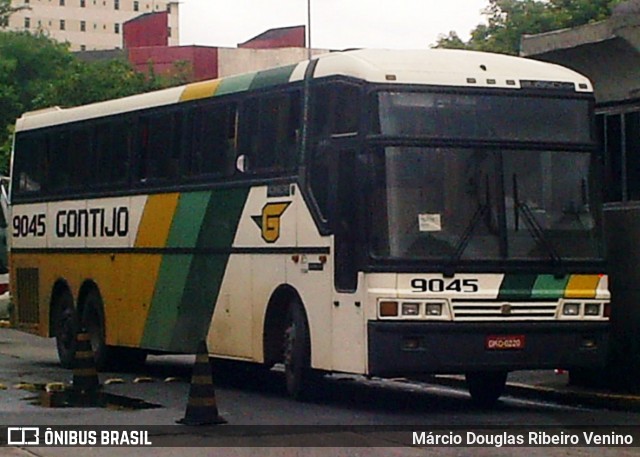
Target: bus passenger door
<point x="347" y="313"/>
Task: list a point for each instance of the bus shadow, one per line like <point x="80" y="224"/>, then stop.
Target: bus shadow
<point x="368" y="395"/>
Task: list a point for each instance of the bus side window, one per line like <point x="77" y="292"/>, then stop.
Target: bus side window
<point x="30" y="169"/>
<point x="79" y="160"/>
<point x="111" y="152"/>
<point x="270" y="127"/>
<point x="211" y="140"/>
<point x="159" y="146"/>
<point x="60" y="168"/>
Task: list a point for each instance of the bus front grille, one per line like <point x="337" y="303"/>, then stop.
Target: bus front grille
<point x="496" y="311"/>
<point x="28" y="295"/>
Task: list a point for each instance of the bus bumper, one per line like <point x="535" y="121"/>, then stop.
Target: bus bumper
<point x="401" y="348"/>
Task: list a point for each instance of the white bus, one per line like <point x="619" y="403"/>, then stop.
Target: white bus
<point x="378" y="212"/>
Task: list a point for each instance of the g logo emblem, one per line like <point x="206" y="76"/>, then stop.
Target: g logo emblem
<point x="269" y="220"/>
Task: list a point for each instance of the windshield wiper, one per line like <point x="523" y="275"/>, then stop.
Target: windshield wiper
<point x="533" y="226"/>
<point x="468" y="232"/>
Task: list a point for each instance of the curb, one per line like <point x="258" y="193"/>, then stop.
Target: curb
<point x="560" y="394"/>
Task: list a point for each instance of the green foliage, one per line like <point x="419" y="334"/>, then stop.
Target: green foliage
<point x="6" y="10"/>
<point x="37" y="72"/>
<point x="508" y="20"/>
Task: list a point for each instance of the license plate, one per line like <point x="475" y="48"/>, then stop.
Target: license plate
<point x="504" y="342"/>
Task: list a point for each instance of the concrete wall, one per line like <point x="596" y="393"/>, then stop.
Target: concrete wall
<point x="203" y="60"/>
<point x="232" y="61"/>
<point x="147" y="30"/>
<point x="607" y="52"/>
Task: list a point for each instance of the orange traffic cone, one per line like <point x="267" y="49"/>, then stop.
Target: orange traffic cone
<point x="85" y="375"/>
<point x="201" y="406"/>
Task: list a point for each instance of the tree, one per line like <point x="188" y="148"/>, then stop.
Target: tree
<point x="508" y="20"/>
<point x="6" y="10"/>
<point x="37" y="72"/>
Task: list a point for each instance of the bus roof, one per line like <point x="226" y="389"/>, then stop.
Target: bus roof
<point x="440" y="67"/>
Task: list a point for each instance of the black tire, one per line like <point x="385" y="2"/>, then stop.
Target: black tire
<point x="297" y="355"/>
<point x="93" y="324"/>
<point x="486" y="387"/>
<point x="65" y="327"/>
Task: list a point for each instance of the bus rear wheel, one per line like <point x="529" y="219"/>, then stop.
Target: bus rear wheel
<point x="93" y="324"/>
<point x="297" y="354"/>
<point x="65" y="326"/>
<point x="486" y="387"/>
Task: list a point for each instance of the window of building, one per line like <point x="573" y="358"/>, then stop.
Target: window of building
<point x="62" y="24"/>
<point x="116" y="4"/>
<point x="83" y="26"/>
<point x="136" y="6"/>
<point x="27" y="22"/>
<point x="83" y="47"/>
<point x="116" y="28"/>
<point x="61" y="2"/>
<point x="83" y="3"/>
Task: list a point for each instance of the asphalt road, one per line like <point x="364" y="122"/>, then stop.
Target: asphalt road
<point x="248" y="397"/>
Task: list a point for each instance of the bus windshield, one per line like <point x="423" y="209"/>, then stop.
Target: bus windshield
<point x="477" y="117"/>
<point x="478" y="204"/>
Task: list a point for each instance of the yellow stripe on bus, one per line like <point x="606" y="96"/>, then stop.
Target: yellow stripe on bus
<point x="199" y="90"/>
<point x="156" y="220"/>
<point x="582" y="286"/>
<point x="153" y="233"/>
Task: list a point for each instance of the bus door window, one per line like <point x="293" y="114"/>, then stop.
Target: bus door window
<point x="270" y="127"/>
<point x="335" y="117"/>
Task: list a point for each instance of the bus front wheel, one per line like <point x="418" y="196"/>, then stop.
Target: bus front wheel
<point x="297" y="354"/>
<point x="65" y="328"/>
<point x="486" y="387"/>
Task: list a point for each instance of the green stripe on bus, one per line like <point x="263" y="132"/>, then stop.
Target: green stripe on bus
<point x="218" y="230"/>
<point x="516" y="287"/>
<point x="174" y="270"/>
<point x="548" y="286"/>
<point x="234" y="84"/>
<point x="272" y="77"/>
<point x="187" y="219"/>
<point x="168" y="292"/>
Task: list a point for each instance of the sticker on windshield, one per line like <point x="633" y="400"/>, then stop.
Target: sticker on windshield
<point x="429" y="223"/>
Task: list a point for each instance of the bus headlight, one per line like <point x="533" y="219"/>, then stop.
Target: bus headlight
<point x="410" y="309"/>
<point x="434" y="309"/>
<point x="592" y="309"/>
<point x="571" y="309"/>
